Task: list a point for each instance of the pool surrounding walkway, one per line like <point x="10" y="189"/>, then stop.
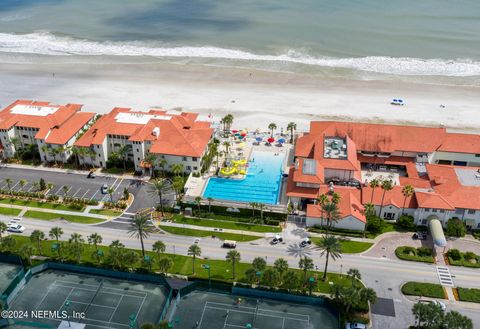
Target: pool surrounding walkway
<point x="262" y="183"/>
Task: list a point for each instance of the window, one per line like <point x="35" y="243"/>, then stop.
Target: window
<point x="101" y="164"/>
<point x="477" y="155"/>
<point x="478" y="225"/>
<point x="138" y="159"/>
<point x="442" y="211"/>
<point x="25" y="136"/>
<point x="195" y="168"/>
<point x="194" y="159"/>
<point x="389" y="215"/>
<point x="434" y="210"/>
<point x="427" y="209"/>
<point x="471" y="211"/>
<point x="184" y="158"/>
<point x="424" y="222"/>
<point x="98" y="146"/>
<point x="137" y="150"/>
<point x="189" y="168"/>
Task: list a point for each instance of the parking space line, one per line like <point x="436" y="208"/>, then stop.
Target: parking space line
<point x="15" y="185"/>
<point x="83" y="196"/>
<point x="30" y="188"/>
<point x="79" y="189"/>
<point x="93" y="196"/>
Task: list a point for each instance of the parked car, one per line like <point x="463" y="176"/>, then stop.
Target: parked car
<point x="91" y="174"/>
<point x="419" y="236"/>
<point x="229" y="244"/>
<point x="14" y="221"/>
<point x="16" y="228"/>
<point x="276" y="239"/>
<point x="305" y="242"/>
<point x="441" y="304"/>
<point x="355" y="325"/>
<point x="196" y="241"/>
<point x="104" y="189"/>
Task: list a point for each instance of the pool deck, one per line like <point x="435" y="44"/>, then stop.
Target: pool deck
<point x="195" y="186"/>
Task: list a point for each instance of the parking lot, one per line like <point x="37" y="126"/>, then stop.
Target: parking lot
<point x="77" y="185"/>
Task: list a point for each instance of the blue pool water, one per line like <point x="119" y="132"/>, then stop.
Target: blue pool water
<point x="262" y="183"/>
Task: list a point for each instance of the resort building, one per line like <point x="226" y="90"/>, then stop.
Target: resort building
<point x="155" y="138"/>
<point x="42" y="128"/>
<point x="345" y="157"/>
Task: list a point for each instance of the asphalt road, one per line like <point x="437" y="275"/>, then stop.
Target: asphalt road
<point x="384" y="275"/>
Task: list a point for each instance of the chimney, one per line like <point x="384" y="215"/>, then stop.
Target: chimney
<point x="156" y="132"/>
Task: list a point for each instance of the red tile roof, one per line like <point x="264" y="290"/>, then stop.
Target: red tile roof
<point x="57" y="127"/>
<point x="393" y="197"/>
<point x="180" y="134"/>
<point x="349" y="205"/>
<point x="432" y="200"/>
<point x="463" y="143"/>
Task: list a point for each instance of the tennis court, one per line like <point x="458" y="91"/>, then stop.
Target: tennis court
<point x="222" y="311"/>
<point x="106" y="303"/>
<point x="7" y="274"/>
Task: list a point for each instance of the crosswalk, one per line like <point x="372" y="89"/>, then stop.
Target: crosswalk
<point x="444" y="276"/>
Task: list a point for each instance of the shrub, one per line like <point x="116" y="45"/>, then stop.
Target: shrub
<point x="424" y="251"/>
<point x="456" y="228"/>
<point x="409" y="251"/>
<point x="375" y="224"/>
<point x="423" y="289"/>
<point x="454" y="254"/>
<point x="406" y="222"/>
<point x="469" y="256"/>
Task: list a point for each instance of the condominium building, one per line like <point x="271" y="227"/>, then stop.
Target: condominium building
<point x="442" y="168"/>
<point x="157" y="137"/>
<point x="43" y="127"/>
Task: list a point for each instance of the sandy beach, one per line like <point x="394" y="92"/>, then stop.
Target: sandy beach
<point x="255" y="98"/>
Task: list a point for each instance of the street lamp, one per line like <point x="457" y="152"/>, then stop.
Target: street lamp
<point x="207" y="267"/>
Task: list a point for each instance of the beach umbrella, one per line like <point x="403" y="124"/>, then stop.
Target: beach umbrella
<point x="259" y="139"/>
<point x="281" y="140"/>
<point x="241" y="137"/>
<point x="243" y="133"/>
<point x="271" y="140"/>
<point x="234" y="131"/>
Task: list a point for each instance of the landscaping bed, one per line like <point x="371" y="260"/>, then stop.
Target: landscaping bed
<point x="41" y="204"/>
<point x="469" y="295"/>
<point x="70" y="218"/>
<point x="423" y="289"/>
<point x="9" y="211"/>
<point x="421" y="254"/>
<point x="350" y="247"/>
<point x="224" y="224"/>
<point x="200" y="233"/>
<point x="458" y="258"/>
<point x="106" y="212"/>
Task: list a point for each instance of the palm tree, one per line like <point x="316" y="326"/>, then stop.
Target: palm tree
<point x="454" y="319"/>
<point x="194" y="251"/>
<point x="178" y="184"/>
<point x="322" y="201"/>
<point x="159" y="248"/>
<point x="407" y="191"/>
<point x="354" y="274"/>
<point x="332" y="214"/>
<point x="55" y="232"/>
<point x="9" y="182"/>
<point x="157" y="188"/>
<point x="386" y="186"/>
<point x="36" y="186"/>
<point x="290" y="280"/>
<point x="233" y="257"/>
<point x="50" y="186"/>
<point x="374" y="183"/>
<point x="162" y="163"/>
<point x="149" y="160"/>
<point x="76" y="245"/>
<point x="198" y="200"/>
<point x="261" y="206"/>
<point x="26" y="252"/>
<point x="306" y="264"/>
<point x="3" y="229"/>
<point x="110" y="192"/>
<point x="16" y="144"/>
<point x="76" y="238"/>
<point x="369" y="212"/>
<point x="270" y="277"/>
<point x="76" y="151"/>
<point x="164" y="264"/>
<point x="210" y="200"/>
<point x="330" y="246"/>
<point x="336" y="198"/>
<point x="141" y="229"/>
<point x="367" y="295"/>
<point x="259" y="264"/>
<point x="253" y="205"/>
<point x="227" y="122"/>
<point x="281" y="265"/>
<point x="65" y="189"/>
<point x="37" y="236"/>
<point x="227" y="146"/>
<point x="46" y="150"/>
<point x="8" y="243"/>
<point x="272" y="127"/>
<point x="22" y="183"/>
<point x="95" y="239"/>
<point x="292" y="126"/>
<point x="177" y="169"/>
<point x="123" y="152"/>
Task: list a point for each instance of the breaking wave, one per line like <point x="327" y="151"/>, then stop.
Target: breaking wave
<point x="49" y="44"/>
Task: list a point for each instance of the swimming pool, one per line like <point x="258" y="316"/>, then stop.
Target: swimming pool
<point x="262" y="183"/>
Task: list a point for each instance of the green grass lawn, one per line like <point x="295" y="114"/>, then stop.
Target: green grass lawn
<point x="219" y="270"/>
<point x="199" y="233"/>
<point x="400" y="253"/>
<point x="38" y="204"/>
<point x="469" y="295"/>
<point x="105" y="212"/>
<point x="71" y="218"/>
<point x="225" y="224"/>
<point x="350" y="247"/>
<point x="423" y="289"/>
<point x="9" y="211"/>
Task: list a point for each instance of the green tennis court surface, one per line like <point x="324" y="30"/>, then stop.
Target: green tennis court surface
<point x="7" y="274"/>
<point x="106" y="303"/>
<point x="219" y="311"/>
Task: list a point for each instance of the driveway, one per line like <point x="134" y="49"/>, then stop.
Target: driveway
<point x="385" y="248"/>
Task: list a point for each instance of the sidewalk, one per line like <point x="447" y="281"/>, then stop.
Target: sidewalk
<point x="72" y="171"/>
<point x="212" y="229"/>
<point x="60" y="212"/>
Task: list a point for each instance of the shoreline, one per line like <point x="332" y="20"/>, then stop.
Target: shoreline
<point x="254" y="97"/>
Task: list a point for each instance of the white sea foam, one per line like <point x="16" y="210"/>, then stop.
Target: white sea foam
<point x="49" y="44"/>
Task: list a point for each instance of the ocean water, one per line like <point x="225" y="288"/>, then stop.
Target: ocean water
<point x="355" y="38"/>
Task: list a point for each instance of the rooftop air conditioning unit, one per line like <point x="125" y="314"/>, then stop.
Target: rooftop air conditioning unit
<point x="156" y="132"/>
